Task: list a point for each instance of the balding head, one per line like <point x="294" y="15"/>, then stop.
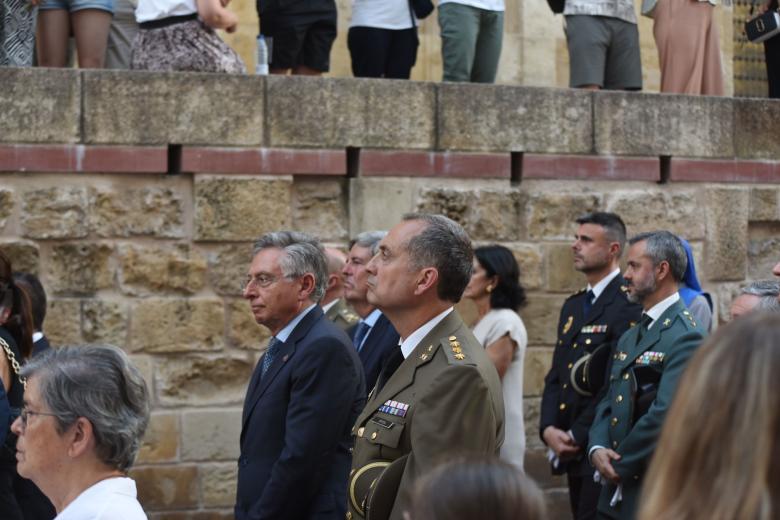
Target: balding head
<point x="335" y="287"/>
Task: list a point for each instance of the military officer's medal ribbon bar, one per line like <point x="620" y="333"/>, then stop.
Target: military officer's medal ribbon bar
<point x="594" y="329"/>
<point x="394" y="408"/>
<point x="650" y="357"/>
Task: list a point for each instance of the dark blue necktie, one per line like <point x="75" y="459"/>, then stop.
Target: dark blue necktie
<point x="588" y="302"/>
<point x="270" y="354"/>
<point x="360" y="334"/>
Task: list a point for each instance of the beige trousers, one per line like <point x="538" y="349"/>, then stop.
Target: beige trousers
<point x="688" y="47"/>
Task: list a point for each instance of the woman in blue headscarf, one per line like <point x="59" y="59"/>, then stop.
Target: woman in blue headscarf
<point x="698" y="301"/>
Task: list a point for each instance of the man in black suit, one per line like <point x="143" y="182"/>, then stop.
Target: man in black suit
<point x="32" y="285"/>
<point x="374" y="336"/>
<point x="591" y="322"/>
<point x="305" y="394"/>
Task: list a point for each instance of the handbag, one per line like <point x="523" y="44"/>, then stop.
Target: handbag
<point x="556" y="5"/>
<point x="762" y="27"/>
<point x="421" y="8"/>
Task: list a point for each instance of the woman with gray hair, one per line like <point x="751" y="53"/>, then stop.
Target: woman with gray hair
<point x="85" y="412"/>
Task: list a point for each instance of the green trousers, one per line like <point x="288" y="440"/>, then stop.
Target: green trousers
<point x="470" y="42"/>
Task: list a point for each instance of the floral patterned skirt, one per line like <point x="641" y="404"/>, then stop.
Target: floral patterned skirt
<point x="187" y="46"/>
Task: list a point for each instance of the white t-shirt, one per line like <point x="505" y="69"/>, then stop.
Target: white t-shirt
<point x="149" y="10"/>
<point x="494" y="325"/>
<point x="489" y="5"/>
<point x="109" y="499"/>
<point x="381" y="14"/>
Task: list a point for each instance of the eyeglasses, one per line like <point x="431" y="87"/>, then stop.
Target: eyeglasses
<point x="261" y="281"/>
<point x="25" y="414"/>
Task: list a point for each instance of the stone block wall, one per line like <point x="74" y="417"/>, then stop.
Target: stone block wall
<point x="136" y="198"/>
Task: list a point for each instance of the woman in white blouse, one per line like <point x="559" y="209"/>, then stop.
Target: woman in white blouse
<point x="495" y="289"/>
<point x="84" y="415"/>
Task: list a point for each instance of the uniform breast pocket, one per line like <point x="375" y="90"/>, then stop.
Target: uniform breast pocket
<point x="386" y="435"/>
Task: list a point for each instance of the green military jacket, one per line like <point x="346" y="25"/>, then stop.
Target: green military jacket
<point x="642" y="383"/>
<point x="444" y="400"/>
<point x="341" y="315"/>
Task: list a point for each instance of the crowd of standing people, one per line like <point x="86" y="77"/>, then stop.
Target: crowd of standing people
<point x="374" y="399"/>
<point x="297" y="38"/>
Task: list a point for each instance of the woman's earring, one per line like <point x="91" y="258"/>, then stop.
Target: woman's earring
<point x="489" y="289"/>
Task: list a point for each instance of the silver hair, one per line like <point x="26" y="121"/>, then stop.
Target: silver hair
<point x="369" y="240"/>
<point x="445" y="245"/>
<point x="303" y="254"/>
<point x="767" y="292"/>
<point x="99" y="383"/>
<point x="663" y="246"/>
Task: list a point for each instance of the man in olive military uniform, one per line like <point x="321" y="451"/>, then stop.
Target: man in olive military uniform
<point x="444" y="398"/>
<point x="647" y="364"/>
<point x="333" y="302"/>
<point x="590" y="324"/>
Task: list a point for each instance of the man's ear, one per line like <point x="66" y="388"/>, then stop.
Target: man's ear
<point x="426" y="279"/>
<point x="308" y="283"/>
<point x="333" y="280"/>
<point x="614" y="249"/>
<point x="664" y="270"/>
<point x="82" y="437"/>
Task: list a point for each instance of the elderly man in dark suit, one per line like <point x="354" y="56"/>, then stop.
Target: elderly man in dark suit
<point x="374" y="336"/>
<point x="304" y="395"/>
<point x="646" y="366"/>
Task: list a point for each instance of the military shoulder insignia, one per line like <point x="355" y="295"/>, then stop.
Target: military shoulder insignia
<point x="650" y="357"/>
<point x="594" y="329"/>
<point x="396" y="408"/>
<point x="568" y="324"/>
<point x="349" y="316"/>
<point x="456" y="349"/>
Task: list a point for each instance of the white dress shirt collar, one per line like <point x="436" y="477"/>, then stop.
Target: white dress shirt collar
<point x="284" y="334"/>
<point x="659" y="308"/>
<point x="327" y="306"/>
<point x="602" y="284"/>
<point x="409" y="344"/>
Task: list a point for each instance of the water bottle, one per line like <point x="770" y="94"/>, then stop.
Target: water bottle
<point x="261" y="67"/>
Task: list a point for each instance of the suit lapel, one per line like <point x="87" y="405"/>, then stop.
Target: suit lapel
<point x="404" y="376"/>
<point x="286" y="352"/>
<point x="606" y="297"/>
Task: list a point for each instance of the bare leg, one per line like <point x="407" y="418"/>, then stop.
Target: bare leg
<point x="52" y="37"/>
<point x="90" y="27"/>
<point x="303" y="70"/>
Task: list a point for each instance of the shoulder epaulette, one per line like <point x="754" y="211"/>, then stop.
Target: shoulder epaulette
<point x="349" y="316"/>
<point x="584" y="289"/>
<point x="454" y="352"/>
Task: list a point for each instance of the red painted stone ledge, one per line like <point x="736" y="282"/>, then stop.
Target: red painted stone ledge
<point x="79" y="158"/>
<point x="263" y="161"/>
<point x="396" y="163"/>
<point x="734" y="170"/>
<point x="591" y="167"/>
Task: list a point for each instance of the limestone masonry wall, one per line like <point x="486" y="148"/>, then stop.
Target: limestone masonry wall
<point x="136" y="198"/>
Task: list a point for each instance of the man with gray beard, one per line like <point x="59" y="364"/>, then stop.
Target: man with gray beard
<point x="646" y="367"/>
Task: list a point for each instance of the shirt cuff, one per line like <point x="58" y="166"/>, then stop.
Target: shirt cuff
<point x="592" y="449"/>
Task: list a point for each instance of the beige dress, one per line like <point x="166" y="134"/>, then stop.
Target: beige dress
<point x="688" y="47"/>
<point x="493" y="326"/>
